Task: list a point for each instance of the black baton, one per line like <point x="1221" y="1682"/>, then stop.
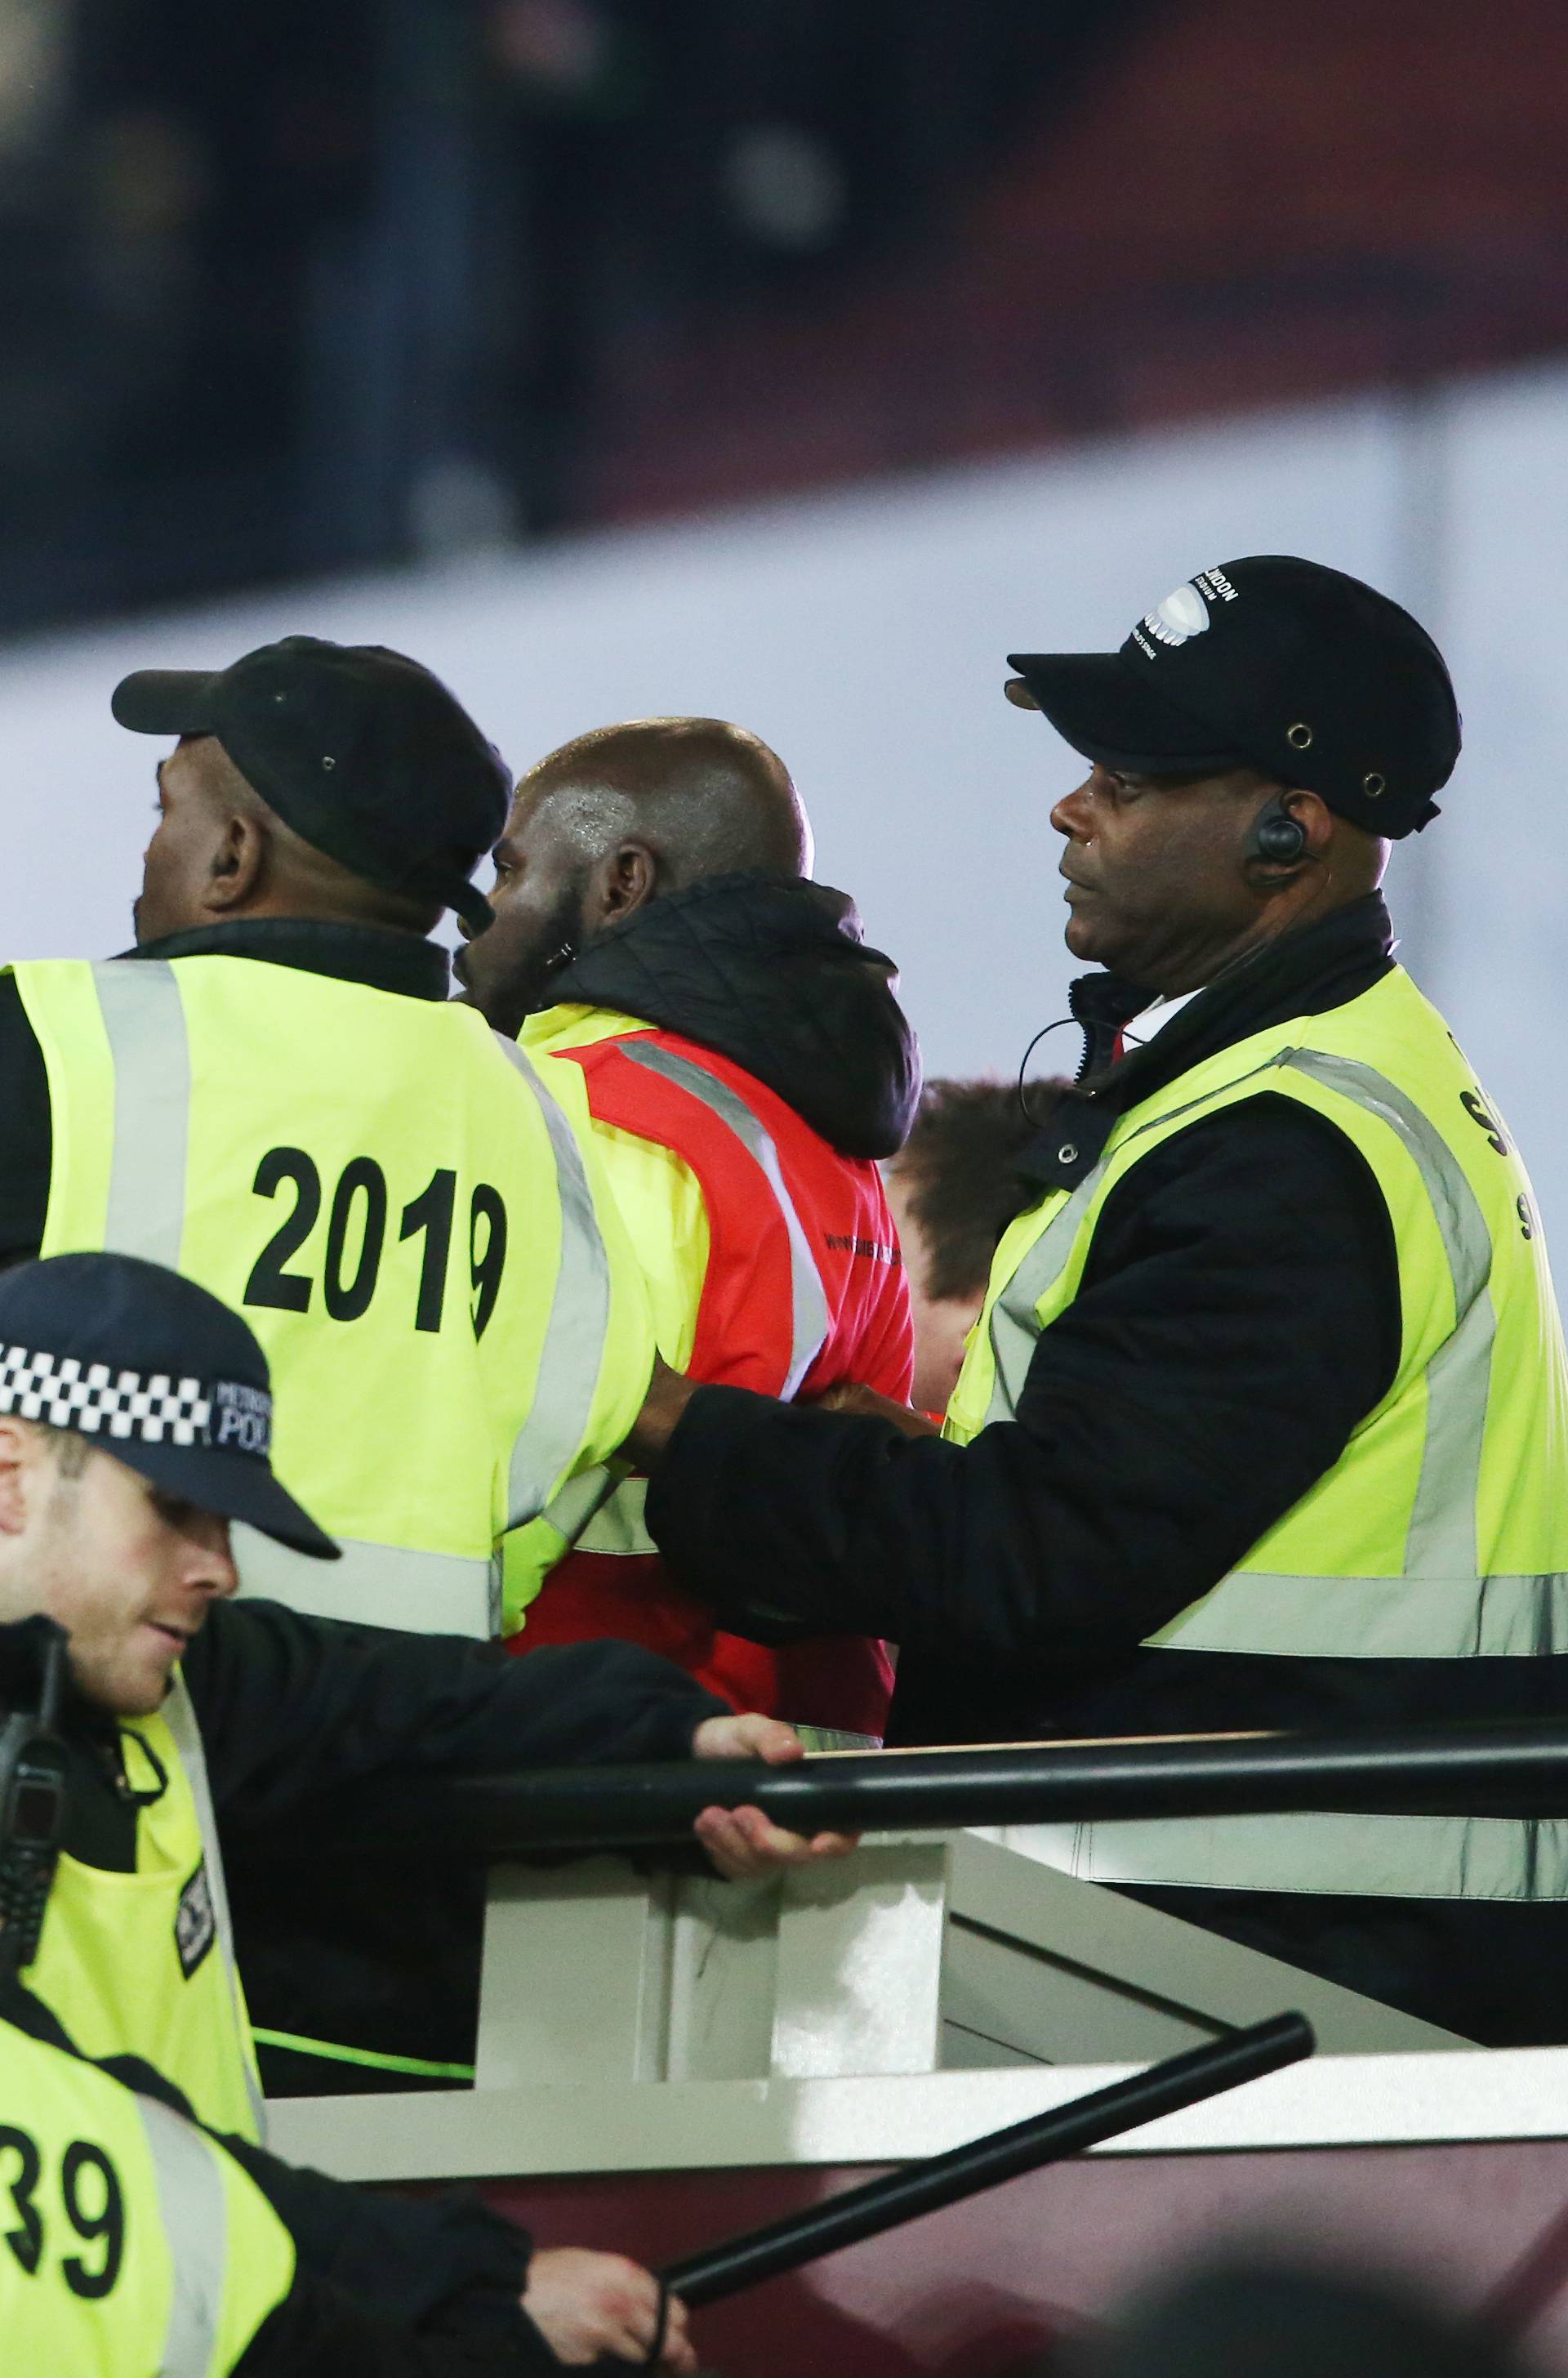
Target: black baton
<point x="844" y="2221"/>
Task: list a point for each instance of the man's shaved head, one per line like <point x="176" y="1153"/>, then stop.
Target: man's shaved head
<point x="613" y="820"/>
<point x="707" y="797"/>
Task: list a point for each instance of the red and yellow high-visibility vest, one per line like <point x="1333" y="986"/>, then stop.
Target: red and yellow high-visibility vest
<point x="772" y="1262"/>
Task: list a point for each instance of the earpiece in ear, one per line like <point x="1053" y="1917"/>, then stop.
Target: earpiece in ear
<point x="1276" y="838"/>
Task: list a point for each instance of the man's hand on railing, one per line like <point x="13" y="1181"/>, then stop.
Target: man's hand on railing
<point x="743" y="1843"/>
<point x="586" y="2305"/>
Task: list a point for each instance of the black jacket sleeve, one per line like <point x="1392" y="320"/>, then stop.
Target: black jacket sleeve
<point x="443" y="2261"/>
<point x="1239" y="1318"/>
<point x="290" y="1707"/>
<point x="27" y="1140"/>
<point x="317" y="2332"/>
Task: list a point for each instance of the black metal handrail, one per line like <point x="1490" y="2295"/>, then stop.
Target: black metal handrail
<point x="1476" y="1769"/>
<point x="925" y="2187"/>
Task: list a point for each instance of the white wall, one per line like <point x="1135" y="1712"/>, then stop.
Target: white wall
<point x="865" y="636"/>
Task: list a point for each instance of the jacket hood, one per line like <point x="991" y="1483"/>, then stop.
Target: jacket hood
<point x="774" y="975"/>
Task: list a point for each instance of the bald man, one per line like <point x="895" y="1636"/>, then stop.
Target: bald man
<point x="746" y="1065"/>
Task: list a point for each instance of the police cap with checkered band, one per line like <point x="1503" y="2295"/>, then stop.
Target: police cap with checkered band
<point x="1272" y="662"/>
<point x="156" y="1371"/>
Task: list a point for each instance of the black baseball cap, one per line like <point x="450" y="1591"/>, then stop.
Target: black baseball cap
<point x="156" y="1371"/>
<point x="1272" y="662"/>
<point x="365" y="753"/>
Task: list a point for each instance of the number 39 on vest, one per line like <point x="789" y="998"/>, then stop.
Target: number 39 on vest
<point x="131" y="2246"/>
<point x="407" y="1219"/>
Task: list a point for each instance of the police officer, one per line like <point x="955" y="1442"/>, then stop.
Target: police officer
<point x="1265" y="1422"/>
<point x="142" y="2247"/>
<point x="136" y="2246"/>
<point x="119" y="1478"/>
<point x="141" y="2244"/>
<point x="273" y="1093"/>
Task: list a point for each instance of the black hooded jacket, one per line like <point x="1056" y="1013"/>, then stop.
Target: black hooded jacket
<point x="773" y="973"/>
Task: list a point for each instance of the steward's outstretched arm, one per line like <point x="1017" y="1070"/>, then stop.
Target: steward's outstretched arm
<point x="1239" y="1318"/>
<point x="290" y="1707"/>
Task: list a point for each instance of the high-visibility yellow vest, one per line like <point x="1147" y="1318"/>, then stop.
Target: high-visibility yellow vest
<point x="1442" y="1532"/>
<point x="143" y="1964"/>
<point x="412" y="1225"/>
<point x="132" y="2246"/>
<point x="602" y="1509"/>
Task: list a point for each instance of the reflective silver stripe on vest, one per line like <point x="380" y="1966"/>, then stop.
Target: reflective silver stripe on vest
<point x="144" y="1018"/>
<point x="552" y="1435"/>
<point x="1014" y="1331"/>
<point x="375" y="1585"/>
<point x="1267" y="1613"/>
<point x="809" y="1298"/>
<point x="180" y="1718"/>
<point x="601" y="1512"/>
<point x="580" y="1500"/>
<point x="1442" y="1541"/>
<point x="1456" y="1612"/>
<point x="621" y="1528"/>
<point x="195" y="2218"/>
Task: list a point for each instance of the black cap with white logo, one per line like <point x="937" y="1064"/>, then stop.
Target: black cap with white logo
<point x="1272" y="662"/>
<point x="156" y="1371"/>
<point x="361" y="750"/>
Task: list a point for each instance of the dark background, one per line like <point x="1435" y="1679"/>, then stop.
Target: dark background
<point x="296" y="288"/>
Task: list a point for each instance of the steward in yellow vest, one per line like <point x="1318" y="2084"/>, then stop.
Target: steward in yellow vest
<point x="274" y="1094"/>
<point x="1265" y="1422"/>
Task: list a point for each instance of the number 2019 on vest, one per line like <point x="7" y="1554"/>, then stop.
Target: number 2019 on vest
<point x="356" y="1237"/>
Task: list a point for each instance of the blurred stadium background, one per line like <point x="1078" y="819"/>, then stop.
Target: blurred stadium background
<point x="794" y="360"/>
